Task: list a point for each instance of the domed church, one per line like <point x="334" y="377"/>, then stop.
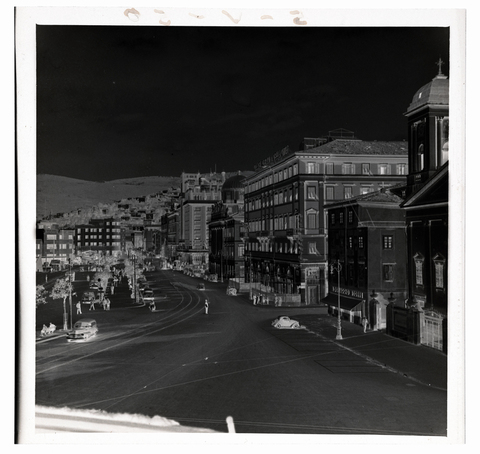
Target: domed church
<point x="426" y="215"/>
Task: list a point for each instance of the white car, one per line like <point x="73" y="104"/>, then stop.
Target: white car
<point x="284" y="322"/>
<point x="82" y="330"/>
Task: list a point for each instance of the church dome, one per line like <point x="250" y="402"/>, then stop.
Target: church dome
<point x="433" y="93"/>
<point x="235" y="182"/>
<point x="233" y="188"/>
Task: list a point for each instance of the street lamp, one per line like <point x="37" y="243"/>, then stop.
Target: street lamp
<point x="70" y="290"/>
<point x="338" y="267"/>
<point x="134" y="258"/>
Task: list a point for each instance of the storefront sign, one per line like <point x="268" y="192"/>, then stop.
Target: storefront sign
<point x="354" y="293"/>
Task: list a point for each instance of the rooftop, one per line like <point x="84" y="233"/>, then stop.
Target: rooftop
<point x="358" y="147"/>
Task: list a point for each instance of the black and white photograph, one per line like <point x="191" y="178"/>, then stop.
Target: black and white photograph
<point x="243" y="225"/>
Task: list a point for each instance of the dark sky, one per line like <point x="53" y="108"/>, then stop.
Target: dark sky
<point x="128" y="101"/>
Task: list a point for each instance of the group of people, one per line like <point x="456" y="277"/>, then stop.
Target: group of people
<point x="105" y="303"/>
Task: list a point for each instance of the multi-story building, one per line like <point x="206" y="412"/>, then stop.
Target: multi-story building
<point x="426" y="208"/>
<point x="54" y="247"/>
<point x="367" y="257"/>
<point x="226" y="231"/>
<point x="199" y="193"/>
<point x="170" y="234"/>
<point x="286" y="249"/>
<point x="100" y="235"/>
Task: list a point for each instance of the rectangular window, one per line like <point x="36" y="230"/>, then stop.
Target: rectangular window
<point x="341" y="218"/>
<point x="401" y="169"/>
<point x="439" y="281"/>
<point x="348" y="168"/>
<point x="350" y="216"/>
<point x="312" y="248"/>
<point x="387" y="242"/>
<point x="347" y="192"/>
<point x="332" y="219"/>
<point x="311" y="193"/>
<point x="311" y="221"/>
<point x="329" y="193"/>
<point x="329" y="168"/>
<point x="388" y="272"/>
<point x="365" y="169"/>
<point x="382" y="169"/>
<point x="365" y="190"/>
<point x="360" y="242"/>
<point x="310" y="167"/>
<point x="350" y="242"/>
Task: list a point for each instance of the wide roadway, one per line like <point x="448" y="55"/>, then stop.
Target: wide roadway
<point x="197" y="369"/>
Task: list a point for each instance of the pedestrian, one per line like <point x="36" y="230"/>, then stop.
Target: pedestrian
<point x="365" y="324"/>
<point x="254" y="300"/>
<point x="79" y="308"/>
<point x="206" y="307"/>
<point x="88" y="277"/>
<point x="111" y="289"/>
<point x="108" y="304"/>
<point x="92" y="305"/>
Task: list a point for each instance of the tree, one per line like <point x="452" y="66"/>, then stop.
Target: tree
<point x="62" y="290"/>
<point x="41" y="295"/>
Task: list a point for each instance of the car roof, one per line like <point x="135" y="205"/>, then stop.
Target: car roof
<point x="86" y="320"/>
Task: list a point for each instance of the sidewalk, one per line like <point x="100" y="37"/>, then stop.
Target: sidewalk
<point x="421" y="364"/>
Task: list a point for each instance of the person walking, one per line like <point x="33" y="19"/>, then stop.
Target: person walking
<point x="206" y="307"/>
<point x="79" y="308"/>
<point x="365" y="324"/>
<point x="92" y="305"/>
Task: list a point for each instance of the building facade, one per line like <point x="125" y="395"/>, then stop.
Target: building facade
<point x="198" y="193"/>
<point x="54" y="247"/>
<point x="367" y="257"/>
<point x="227" y="231"/>
<point x="100" y="235"/>
<point x="286" y="250"/>
<point x="426" y="208"/>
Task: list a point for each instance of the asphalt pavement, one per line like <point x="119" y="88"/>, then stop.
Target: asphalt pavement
<point x="419" y="363"/>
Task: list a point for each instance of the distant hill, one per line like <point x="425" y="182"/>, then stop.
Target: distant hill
<point x="57" y="194"/>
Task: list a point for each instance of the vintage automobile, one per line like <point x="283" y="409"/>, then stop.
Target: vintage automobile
<point x="94" y="286"/>
<point x="148" y="295"/>
<point x="82" y="330"/>
<point x="88" y="297"/>
<point x="284" y="322"/>
<point x="201" y="287"/>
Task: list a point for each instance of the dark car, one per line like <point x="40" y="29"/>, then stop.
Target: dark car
<point x="88" y="297"/>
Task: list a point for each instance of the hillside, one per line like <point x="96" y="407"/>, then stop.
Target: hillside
<point x="57" y="194"/>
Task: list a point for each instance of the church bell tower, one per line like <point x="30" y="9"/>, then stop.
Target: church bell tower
<point x="427" y="130"/>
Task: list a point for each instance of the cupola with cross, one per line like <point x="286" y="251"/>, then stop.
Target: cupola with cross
<point x="428" y="130"/>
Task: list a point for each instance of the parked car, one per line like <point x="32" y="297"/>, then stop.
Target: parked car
<point x="284" y="322"/>
<point x="82" y="330"/>
<point x="94" y="286"/>
<point x="201" y="287"/>
<point x="88" y="297"/>
<point x="148" y="295"/>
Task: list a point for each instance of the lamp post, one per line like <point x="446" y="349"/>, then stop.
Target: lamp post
<point x="338" y="267"/>
<point x="70" y="290"/>
<point x="134" y="258"/>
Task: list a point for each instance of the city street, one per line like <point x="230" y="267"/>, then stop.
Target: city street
<point x="198" y="369"/>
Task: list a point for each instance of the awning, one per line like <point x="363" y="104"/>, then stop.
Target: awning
<point x="346" y="302"/>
